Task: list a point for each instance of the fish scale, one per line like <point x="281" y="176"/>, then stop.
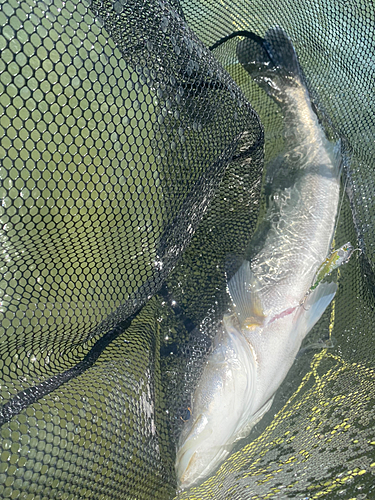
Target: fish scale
<point x="275" y="300"/>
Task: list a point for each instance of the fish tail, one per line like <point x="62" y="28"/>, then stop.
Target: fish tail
<point x="281" y="52"/>
<point x="272" y="63"/>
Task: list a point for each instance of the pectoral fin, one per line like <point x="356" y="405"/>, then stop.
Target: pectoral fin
<point x="314" y="306"/>
<point x="243" y="289"/>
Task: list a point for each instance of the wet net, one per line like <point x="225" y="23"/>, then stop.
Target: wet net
<point x="132" y="155"/>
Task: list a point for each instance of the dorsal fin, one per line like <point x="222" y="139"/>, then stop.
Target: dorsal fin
<point x="243" y="289"/>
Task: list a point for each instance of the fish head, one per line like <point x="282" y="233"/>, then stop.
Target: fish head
<point x="197" y="453"/>
<point x="218" y="407"/>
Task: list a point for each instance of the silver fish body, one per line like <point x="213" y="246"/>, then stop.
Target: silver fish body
<point x="273" y="309"/>
<point x="221" y="403"/>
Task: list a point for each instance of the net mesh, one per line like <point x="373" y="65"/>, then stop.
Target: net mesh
<point x="131" y="166"/>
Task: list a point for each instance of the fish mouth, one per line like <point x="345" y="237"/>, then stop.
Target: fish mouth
<point x="187" y="454"/>
<point x="194" y="461"/>
<point x="196" y="471"/>
<point x="185" y="476"/>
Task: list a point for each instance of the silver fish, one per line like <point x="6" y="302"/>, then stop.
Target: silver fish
<point x="274" y="307"/>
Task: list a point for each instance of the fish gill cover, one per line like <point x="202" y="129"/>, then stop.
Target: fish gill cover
<point x="131" y="168"/>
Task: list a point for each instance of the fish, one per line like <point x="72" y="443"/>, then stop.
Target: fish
<point x="275" y="302"/>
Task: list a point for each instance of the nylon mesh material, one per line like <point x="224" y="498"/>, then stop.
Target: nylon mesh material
<point x="131" y="166"/>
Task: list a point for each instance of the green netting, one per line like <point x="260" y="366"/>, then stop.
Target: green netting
<point x="131" y="168"/>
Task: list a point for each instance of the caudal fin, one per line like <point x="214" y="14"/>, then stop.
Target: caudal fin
<point x="272" y="63"/>
<point x="281" y="52"/>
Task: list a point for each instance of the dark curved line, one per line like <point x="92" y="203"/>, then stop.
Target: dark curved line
<point x="31" y="395"/>
<point x="247" y="34"/>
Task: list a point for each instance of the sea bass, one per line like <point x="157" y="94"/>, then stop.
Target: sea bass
<point x="274" y="301"/>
